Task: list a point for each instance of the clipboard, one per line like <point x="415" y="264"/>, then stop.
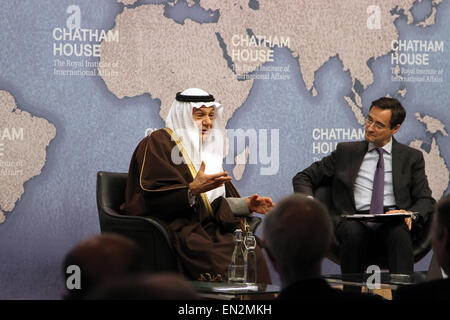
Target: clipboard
<point x="380" y="217"/>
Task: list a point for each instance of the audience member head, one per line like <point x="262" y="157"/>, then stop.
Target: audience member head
<point x="162" y="286"/>
<point x="441" y="233"/>
<point x="102" y="258"/>
<point x="297" y="235"/>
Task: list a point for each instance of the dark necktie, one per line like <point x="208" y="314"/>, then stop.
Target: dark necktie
<point x="377" y="201"/>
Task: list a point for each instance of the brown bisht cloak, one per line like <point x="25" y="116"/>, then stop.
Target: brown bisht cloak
<point x="203" y="233"/>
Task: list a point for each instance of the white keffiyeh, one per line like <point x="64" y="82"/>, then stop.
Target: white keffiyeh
<point x="211" y="151"/>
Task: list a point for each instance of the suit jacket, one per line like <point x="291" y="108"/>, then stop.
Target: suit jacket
<point x="317" y="289"/>
<point x="431" y="290"/>
<point x="340" y="169"/>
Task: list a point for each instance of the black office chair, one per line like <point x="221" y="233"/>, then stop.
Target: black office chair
<point x="421" y="244"/>
<point x="148" y="233"/>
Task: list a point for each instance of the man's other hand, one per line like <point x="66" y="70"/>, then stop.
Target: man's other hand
<point x="259" y="204"/>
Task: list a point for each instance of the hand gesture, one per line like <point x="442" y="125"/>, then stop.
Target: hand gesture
<point x="259" y="204"/>
<point x="206" y="182"/>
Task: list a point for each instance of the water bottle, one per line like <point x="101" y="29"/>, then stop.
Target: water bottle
<point x="237" y="271"/>
<point x="250" y="257"/>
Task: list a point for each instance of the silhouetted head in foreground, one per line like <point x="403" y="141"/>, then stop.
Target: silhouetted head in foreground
<point x="99" y="259"/>
<point x="297" y="235"/>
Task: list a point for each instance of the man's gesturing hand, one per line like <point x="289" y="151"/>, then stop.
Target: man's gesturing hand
<point x="206" y="182"/>
<point x="259" y="204"/>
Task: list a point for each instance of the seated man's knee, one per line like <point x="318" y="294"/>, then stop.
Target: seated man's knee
<point x="352" y="232"/>
<point x="398" y="233"/>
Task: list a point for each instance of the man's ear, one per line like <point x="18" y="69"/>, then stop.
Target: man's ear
<point x="395" y="129"/>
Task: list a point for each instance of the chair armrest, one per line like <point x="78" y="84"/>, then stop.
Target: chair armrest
<point x="253" y="222"/>
<point x="136" y="221"/>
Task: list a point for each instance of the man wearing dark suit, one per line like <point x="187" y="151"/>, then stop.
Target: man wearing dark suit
<point x="297" y="234"/>
<point x="436" y="289"/>
<point x="378" y="175"/>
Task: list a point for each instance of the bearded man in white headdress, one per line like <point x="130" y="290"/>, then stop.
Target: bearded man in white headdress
<point x="176" y="176"/>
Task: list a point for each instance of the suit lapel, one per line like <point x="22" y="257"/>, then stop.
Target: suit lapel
<point x="357" y="154"/>
<point x="397" y="160"/>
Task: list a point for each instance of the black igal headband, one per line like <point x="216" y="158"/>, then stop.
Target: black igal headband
<point x="184" y="98"/>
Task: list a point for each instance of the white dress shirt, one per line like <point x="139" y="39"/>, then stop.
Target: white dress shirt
<point x="364" y="180"/>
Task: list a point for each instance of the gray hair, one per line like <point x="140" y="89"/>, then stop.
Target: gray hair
<point x="297" y="233"/>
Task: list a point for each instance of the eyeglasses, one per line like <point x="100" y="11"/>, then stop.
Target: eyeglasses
<point x="378" y="125"/>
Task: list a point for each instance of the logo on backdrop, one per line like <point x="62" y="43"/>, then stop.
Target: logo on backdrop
<point x="10" y="168"/>
<point x="76" y="50"/>
<point x="249" y="52"/>
<point x="325" y="140"/>
<point x="412" y="60"/>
